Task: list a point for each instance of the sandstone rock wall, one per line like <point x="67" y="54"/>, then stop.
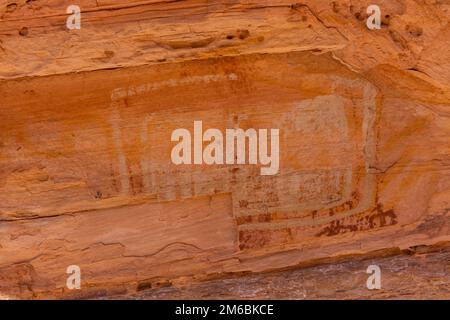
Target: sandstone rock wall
<point x="86" y="176"/>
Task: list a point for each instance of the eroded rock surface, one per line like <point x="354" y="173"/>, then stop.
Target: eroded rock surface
<point x="86" y="176"/>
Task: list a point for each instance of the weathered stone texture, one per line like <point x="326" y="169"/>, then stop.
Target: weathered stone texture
<point x="86" y="177"/>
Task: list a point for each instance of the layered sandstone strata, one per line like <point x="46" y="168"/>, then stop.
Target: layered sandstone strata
<point x="86" y="176"/>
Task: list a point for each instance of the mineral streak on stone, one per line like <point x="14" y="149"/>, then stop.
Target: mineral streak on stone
<point x="86" y="176"/>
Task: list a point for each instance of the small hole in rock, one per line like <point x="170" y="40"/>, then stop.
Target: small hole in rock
<point x="24" y="31"/>
<point x="335" y="7"/>
<point x="109" y="53"/>
<point x="243" y="34"/>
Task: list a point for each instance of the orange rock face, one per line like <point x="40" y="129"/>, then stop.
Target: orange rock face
<point x="87" y="176"/>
